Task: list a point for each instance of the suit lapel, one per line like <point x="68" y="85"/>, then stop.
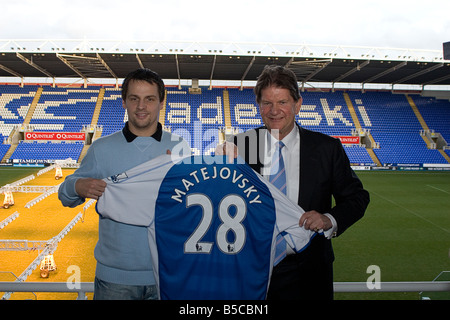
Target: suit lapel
<point x="251" y="146"/>
<point x="260" y="138"/>
<point x="309" y="167"/>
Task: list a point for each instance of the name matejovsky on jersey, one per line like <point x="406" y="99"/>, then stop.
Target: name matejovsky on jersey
<point x="212" y="226"/>
<point x="213" y="172"/>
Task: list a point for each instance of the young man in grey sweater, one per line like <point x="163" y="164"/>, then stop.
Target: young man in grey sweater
<point x="124" y="267"/>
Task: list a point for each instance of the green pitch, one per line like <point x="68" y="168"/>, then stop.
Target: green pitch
<point x="11" y="174"/>
<point x="406" y="230"/>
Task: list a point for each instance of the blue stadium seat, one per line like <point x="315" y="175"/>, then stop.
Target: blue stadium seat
<point x="47" y="151"/>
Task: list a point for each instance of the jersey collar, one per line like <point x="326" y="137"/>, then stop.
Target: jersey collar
<point x="130" y="136"/>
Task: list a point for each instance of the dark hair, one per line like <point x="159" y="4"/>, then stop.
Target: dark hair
<point x="280" y="77"/>
<point x="144" y="75"/>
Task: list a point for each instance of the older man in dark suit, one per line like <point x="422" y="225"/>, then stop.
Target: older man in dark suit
<point x="317" y="169"/>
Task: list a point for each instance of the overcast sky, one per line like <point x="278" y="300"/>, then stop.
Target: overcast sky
<point x="382" y="23"/>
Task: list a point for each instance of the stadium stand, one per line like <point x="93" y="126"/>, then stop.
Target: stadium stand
<point x="393" y="122"/>
<point x="196" y="117"/>
<point x="112" y="115"/>
<point x="61" y="109"/>
<point x="47" y="151"/>
<point x="14" y="104"/>
<point x="435" y="113"/>
<point x="396" y="128"/>
<point x="3" y="149"/>
<point x="243" y="109"/>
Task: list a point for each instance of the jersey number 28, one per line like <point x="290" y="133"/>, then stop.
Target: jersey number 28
<point x="229" y="223"/>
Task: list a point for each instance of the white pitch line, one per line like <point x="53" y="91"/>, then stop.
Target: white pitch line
<point x="428" y="185"/>
<point x="410" y="211"/>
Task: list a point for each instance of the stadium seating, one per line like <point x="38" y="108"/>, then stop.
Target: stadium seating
<point x="112" y="114"/>
<point x="358" y="155"/>
<point x="326" y="113"/>
<point x="14" y="104"/>
<point x="243" y="109"/>
<point x="3" y="149"/>
<point x="396" y="128"/>
<point x="46" y="151"/>
<point x="61" y="109"/>
<point x="436" y="114"/>
<point x="58" y="110"/>
<point x="197" y="117"/>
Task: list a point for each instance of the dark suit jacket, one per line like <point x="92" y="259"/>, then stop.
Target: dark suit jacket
<point x="325" y="172"/>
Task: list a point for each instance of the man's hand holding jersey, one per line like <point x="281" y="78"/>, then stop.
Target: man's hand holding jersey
<point x="90" y="188"/>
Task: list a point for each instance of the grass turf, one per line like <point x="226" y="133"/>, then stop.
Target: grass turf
<point x="11" y="174"/>
<point x="405" y="231"/>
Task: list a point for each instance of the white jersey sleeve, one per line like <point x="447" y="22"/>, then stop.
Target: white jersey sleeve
<point x="130" y="196"/>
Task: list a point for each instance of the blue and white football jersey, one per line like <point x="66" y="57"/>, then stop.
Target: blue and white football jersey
<point x="212" y="225"/>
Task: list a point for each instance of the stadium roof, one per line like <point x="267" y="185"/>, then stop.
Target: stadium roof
<point x="221" y="61"/>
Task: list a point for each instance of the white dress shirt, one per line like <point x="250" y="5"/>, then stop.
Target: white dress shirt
<point x="290" y="152"/>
